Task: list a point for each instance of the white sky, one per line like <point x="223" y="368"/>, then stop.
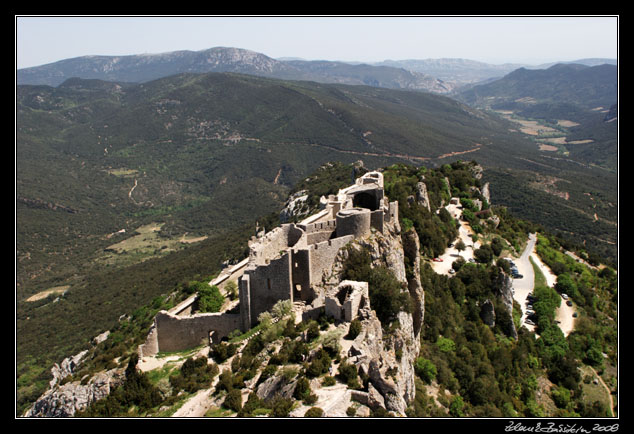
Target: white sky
<point x="492" y="39"/>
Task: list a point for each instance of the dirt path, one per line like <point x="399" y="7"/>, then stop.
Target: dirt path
<point x="197" y="405"/>
<point x="451" y="253"/>
<point x="131" y="190"/>
<point x="607" y="389"/>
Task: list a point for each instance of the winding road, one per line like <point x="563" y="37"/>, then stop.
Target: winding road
<point x="523" y="287"/>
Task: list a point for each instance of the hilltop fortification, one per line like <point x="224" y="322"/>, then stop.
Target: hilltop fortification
<point x="291" y="262"/>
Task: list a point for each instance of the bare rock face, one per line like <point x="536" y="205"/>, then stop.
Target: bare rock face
<point x="65" y="400"/>
<point x="275" y="386"/>
<point x="294" y="207"/>
<point x="421" y="195"/>
<point x="485" y="192"/>
<point x="388" y="358"/>
<point x="487" y="313"/>
<point x="66" y="367"/>
<point x="504" y="285"/>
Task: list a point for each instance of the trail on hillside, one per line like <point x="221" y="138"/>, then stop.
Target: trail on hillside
<point x="392" y="155"/>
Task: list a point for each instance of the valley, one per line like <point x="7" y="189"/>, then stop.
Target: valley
<point x="128" y="191"/>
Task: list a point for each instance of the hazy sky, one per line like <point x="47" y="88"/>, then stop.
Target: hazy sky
<point x="492" y="39"/>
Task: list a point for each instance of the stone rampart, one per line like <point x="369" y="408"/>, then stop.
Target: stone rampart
<point x="268" y="284"/>
<point x="354" y="221"/>
<point x="322" y="256"/>
<point x="178" y="333"/>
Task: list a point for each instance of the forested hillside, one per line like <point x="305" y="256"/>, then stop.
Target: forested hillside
<point x="125" y="191"/>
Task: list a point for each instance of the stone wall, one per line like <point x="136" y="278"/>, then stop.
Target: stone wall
<point x="344" y="301"/>
<point x="179" y="333"/>
<point x="273" y="243"/>
<point x="268" y="284"/>
<point x="322" y="256"/>
<point x="354" y="221"/>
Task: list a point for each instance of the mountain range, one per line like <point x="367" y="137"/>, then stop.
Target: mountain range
<point x="146" y="67"/>
<point x="433" y="75"/>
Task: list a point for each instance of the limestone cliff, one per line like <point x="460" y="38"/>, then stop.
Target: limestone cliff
<point x="387" y="357"/>
<point x="67" y="399"/>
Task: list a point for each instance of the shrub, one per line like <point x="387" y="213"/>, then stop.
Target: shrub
<point x="328" y="381"/>
<point x="281" y="407"/>
<point x="195" y="374"/>
<point x="314" y="412"/>
<point x="348" y="374"/>
<point x="319" y="365"/>
<point x="445" y="344"/>
<point x="354" y="330"/>
<point x="231" y="288"/>
<point x="233" y="400"/>
<point x="222" y="351"/>
<point x="313" y="331"/>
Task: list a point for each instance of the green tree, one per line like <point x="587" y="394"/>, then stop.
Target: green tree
<point x="460" y="246"/>
<point x="233" y="400"/>
<point x="209" y="298"/>
<point x="457" y="406"/>
<point x="425" y="369"/>
<point x="354" y="330"/>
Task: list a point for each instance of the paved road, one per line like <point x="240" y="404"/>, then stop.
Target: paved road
<point x="525" y="285"/>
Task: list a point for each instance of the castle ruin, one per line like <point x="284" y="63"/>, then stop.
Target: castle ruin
<point x="291" y="262"/>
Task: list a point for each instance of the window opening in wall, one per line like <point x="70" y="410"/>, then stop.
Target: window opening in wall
<point x="268" y="283"/>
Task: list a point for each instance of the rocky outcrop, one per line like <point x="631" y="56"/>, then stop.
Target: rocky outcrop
<point x="487" y="313"/>
<point x="66" y="367"/>
<point x="67" y="399"/>
<point x="411" y="249"/>
<point x="387" y="358"/>
<point x="294" y="207"/>
<point x="421" y="195"/>
<point x="486" y="193"/>
<point x="504" y="287"/>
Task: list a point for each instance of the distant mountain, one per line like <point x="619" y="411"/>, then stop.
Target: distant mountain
<point x="460" y="72"/>
<point x="147" y="67"/>
<point x="585" y="86"/>
<point x="582" y="97"/>
<point x="456" y="71"/>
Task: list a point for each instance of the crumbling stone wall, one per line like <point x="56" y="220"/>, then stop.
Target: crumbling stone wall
<point x="268" y="284"/>
<point x="179" y="333"/>
<point x="344" y="301"/>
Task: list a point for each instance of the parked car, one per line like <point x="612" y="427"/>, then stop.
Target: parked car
<point x="564" y="296"/>
<point x="569" y="303"/>
<point x="437" y="260"/>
